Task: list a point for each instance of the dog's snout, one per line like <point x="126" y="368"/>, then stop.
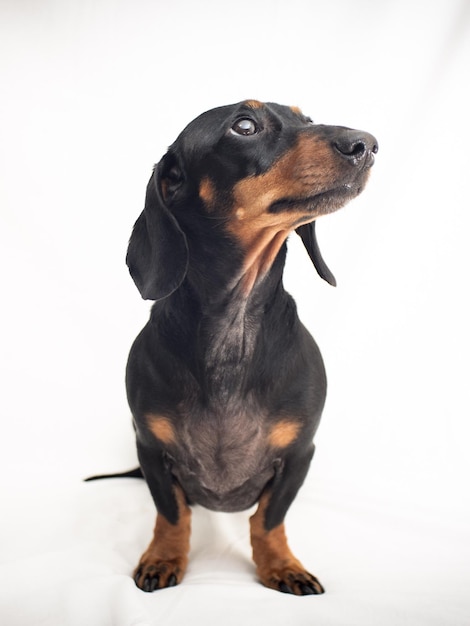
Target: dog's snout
<point x="356" y="146"/>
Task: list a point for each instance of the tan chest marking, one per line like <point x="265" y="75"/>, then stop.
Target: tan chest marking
<point x="162" y="428"/>
<point x="283" y="433"/>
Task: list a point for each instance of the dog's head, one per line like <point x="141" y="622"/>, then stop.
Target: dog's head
<point x="258" y="170"/>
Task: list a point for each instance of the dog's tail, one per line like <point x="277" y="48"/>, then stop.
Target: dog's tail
<point x="135" y="473"/>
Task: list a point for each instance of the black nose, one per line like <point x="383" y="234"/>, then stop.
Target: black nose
<point x="356" y="146"/>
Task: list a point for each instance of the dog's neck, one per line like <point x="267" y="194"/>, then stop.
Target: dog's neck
<point x="233" y="307"/>
<point x="221" y="314"/>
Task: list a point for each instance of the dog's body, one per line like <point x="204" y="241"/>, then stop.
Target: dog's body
<point x="225" y="384"/>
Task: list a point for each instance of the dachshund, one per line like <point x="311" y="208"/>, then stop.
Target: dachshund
<point x="225" y="384"/>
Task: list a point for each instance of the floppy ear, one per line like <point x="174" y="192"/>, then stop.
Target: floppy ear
<point x="157" y="255"/>
<point x="308" y="236"/>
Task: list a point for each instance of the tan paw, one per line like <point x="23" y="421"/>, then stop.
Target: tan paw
<point x="291" y="579"/>
<point x="159" y="574"/>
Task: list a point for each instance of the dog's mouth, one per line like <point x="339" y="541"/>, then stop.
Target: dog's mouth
<point x="320" y="203"/>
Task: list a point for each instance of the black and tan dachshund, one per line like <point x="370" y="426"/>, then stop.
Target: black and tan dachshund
<point x="225" y="384"/>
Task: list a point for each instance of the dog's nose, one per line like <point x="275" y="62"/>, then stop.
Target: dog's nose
<point x="356" y="146"/>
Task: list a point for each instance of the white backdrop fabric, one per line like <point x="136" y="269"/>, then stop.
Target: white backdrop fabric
<point x="93" y="91"/>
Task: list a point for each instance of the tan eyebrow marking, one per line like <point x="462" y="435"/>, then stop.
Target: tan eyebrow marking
<point x="254" y="104"/>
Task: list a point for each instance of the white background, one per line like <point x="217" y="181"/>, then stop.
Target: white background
<point x="93" y="91"/>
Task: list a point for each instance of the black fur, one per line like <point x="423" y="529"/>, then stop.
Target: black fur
<point x="221" y="359"/>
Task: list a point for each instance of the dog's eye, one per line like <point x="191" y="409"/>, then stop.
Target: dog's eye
<point x="244" y="126"/>
<point x="174" y="173"/>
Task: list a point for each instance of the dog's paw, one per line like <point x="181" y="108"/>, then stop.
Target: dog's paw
<point x="291" y="579"/>
<point x="159" y="574"/>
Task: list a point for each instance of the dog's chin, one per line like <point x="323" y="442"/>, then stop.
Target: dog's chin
<point x="334" y="199"/>
<point x="321" y="203"/>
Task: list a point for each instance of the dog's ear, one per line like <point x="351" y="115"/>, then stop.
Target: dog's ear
<point x="157" y="256"/>
<point x="309" y="238"/>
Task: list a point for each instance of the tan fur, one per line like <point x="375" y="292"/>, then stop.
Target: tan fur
<point x="167" y="554"/>
<point x="275" y="563"/>
<point x="207" y="192"/>
<point x="305" y="170"/>
<point x="283" y="433"/>
<point x="254" y="104"/>
<point x="162" y="428"/>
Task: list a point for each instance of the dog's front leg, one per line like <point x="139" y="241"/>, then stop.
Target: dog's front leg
<point x="164" y="562"/>
<point x="276" y="566"/>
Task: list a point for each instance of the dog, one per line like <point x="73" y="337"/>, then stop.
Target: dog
<point x="225" y="384"/>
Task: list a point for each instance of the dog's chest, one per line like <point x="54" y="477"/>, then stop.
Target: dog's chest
<point x="223" y="457"/>
<point x="224" y="461"/>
